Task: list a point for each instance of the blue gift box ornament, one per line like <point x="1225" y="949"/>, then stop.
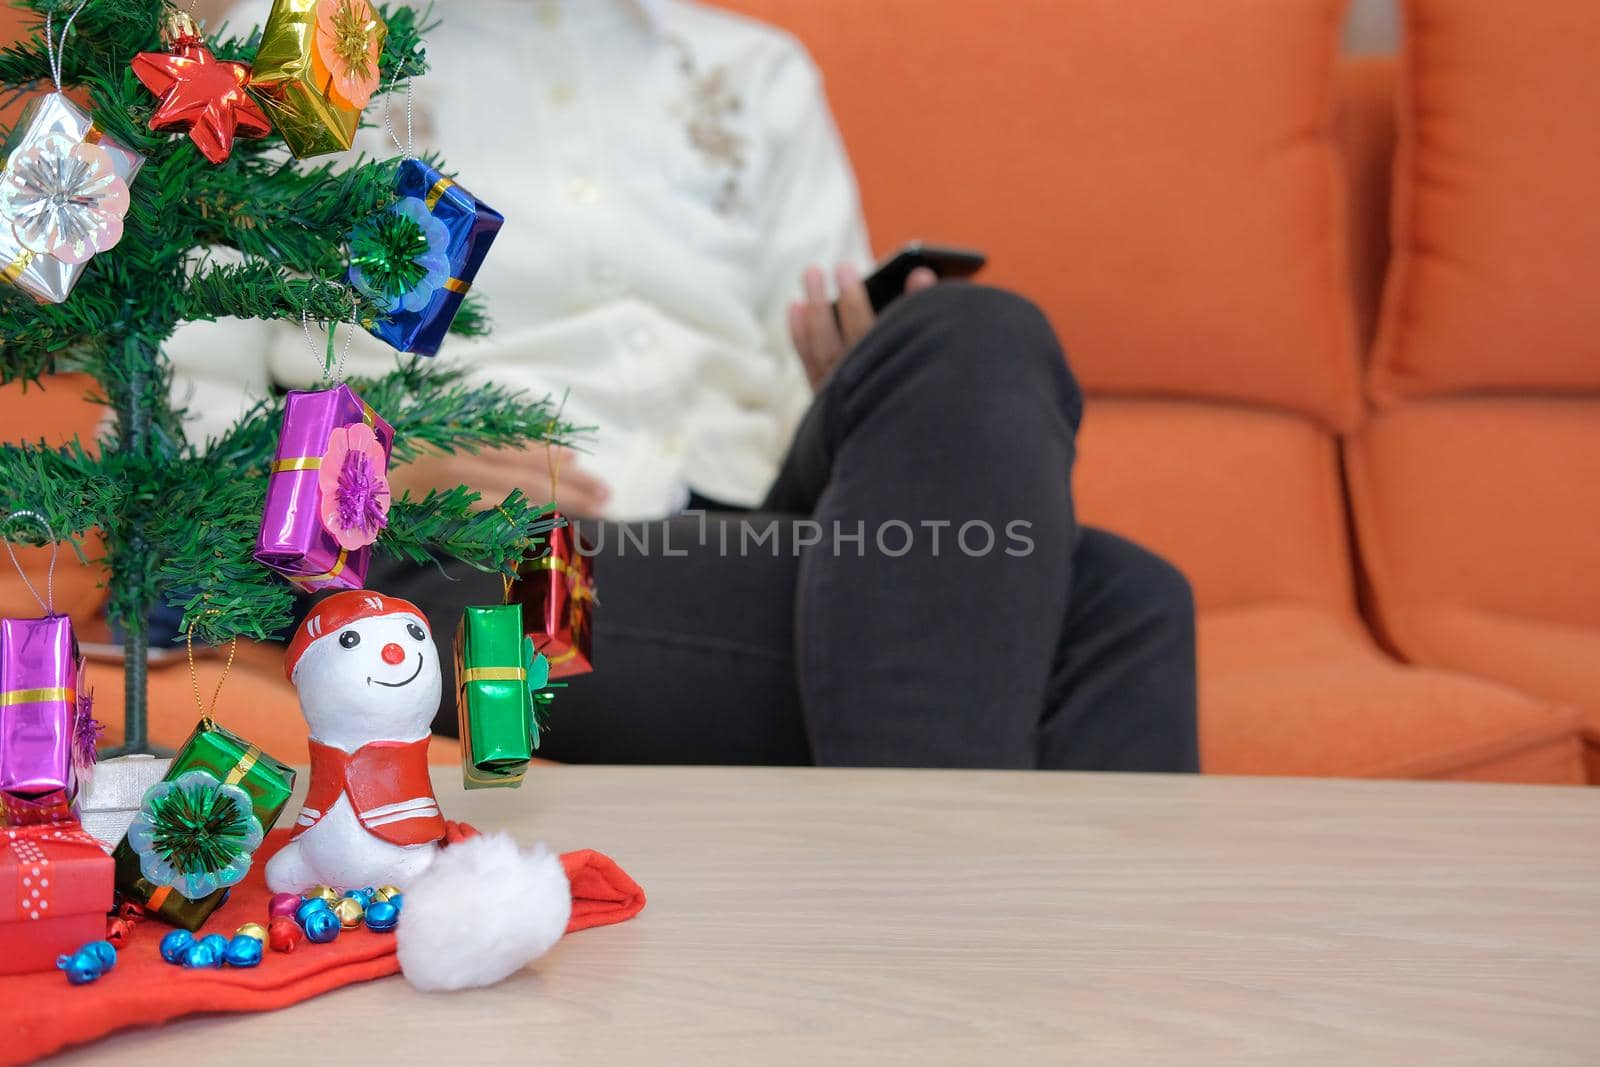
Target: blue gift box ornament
<point x="418" y="259"/>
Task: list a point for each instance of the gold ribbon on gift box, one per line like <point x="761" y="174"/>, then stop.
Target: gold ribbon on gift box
<point x="16" y="267"/>
<point x="38" y="696"/>
<point x="494" y="674"/>
<point x="436" y="193"/>
<point x="580" y="590"/>
<point x="311" y="463"/>
<point x="242" y="768"/>
<point x="304" y="581"/>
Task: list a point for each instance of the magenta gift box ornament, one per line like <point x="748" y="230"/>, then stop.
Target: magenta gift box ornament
<point x="41" y="675"/>
<point x="47" y="730"/>
<point x="328" y="490"/>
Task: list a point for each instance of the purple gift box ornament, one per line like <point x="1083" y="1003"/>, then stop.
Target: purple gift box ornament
<point x="41" y="680"/>
<point x="327" y="491"/>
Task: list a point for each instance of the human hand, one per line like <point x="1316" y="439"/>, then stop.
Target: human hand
<point x="494" y="473"/>
<point x="821" y="337"/>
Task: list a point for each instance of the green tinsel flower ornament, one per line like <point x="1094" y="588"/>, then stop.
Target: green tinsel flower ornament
<point x="195" y="834"/>
<point x="537" y="669"/>
<point x="400" y="257"/>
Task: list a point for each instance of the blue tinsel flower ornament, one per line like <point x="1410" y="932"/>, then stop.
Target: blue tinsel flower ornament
<point x="195" y="834"/>
<point x="400" y="257"/>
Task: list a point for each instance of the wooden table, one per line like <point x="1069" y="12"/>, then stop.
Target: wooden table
<point x="802" y="916"/>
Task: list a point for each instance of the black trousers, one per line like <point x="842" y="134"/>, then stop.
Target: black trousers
<point x="915" y="591"/>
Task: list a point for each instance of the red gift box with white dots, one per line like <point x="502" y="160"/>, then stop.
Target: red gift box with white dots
<point x="55" y="890"/>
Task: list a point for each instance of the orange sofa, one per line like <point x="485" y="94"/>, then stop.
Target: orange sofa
<point x="1204" y="441"/>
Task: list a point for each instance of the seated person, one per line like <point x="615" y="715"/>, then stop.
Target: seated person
<point x="882" y="564"/>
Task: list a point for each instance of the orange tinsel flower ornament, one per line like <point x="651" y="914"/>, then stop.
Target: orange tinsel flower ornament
<point x="349" y="40"/>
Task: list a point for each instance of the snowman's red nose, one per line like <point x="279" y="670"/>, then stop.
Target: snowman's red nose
<point x="393" y="653"/>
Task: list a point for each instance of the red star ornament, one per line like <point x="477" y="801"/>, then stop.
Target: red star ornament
<point x="200" y="93"/>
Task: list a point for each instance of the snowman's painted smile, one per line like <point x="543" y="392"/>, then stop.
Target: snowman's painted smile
<point x="397" y="685"/>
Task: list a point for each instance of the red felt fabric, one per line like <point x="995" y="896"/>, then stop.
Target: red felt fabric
<point x="41" y="1014"/>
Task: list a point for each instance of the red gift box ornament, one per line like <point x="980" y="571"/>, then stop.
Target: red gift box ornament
<point x="55" y="890"/>
<point x="557" y="594"/>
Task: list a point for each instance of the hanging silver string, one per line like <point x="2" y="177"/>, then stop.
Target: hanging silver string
<point x="48" y="601"/>
<point x="54" y="53"/>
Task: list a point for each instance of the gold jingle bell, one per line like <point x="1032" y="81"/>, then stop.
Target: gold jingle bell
<point x="326" y="892"/>
<point x="255" y="930"/>
<point x="388" y="892"/>
<point x="350" y="912"/>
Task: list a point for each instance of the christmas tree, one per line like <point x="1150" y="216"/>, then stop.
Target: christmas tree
<point x="178" y="517"/>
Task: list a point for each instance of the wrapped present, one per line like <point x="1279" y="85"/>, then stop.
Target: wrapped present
<point x="211" y="780"/>
<point x="41" y="679"/>
<point x="497" y="674"/>
<point x="55" y="890"/>
<point x="328" y="493"/>
<point x="63" y="194"/>
<point x="316" y="68"/>
<point x="111" y="797"/>
<point x="420" y="258"/>
<point x="556" y="593"/>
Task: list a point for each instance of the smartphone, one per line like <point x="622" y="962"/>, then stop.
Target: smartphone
<point x="887" y="282"/>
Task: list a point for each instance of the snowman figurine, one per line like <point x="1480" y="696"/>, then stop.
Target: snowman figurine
<point x="367" y="674"/>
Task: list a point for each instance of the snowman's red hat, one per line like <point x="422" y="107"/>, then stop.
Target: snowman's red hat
<point x="338" y="611"/>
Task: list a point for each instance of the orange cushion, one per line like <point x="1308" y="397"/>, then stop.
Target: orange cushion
<point x="1484" y="504"/>
<point x="1497" y="240"/>
<point x="1247" y="502"/>
<point x="1477" y="522"/>
<point x="53" y="410"/>
<point x="1289" y="690"/>
<point x="1161" y="177"/>
<point x="1560" y="664"/>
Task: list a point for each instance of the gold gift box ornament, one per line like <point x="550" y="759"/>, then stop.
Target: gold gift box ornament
<point x="316" y="69"/>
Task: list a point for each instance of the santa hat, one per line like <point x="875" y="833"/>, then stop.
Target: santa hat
<point x="334" y="613"/>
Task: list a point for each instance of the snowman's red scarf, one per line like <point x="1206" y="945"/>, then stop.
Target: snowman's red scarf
<point x="387" y="783"/>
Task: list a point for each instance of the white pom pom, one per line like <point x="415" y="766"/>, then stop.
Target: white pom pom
<point x="484" y="910"/>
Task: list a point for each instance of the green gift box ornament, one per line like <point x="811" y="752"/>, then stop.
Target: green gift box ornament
<point x="197" y="830"/>
<point x="502" y="696"/>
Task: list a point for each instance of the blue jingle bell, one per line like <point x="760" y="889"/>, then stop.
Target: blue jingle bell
<point x="202" y="954"/>
<point x="309" y="907"/>
<point x="218" y="943"/>
<point x="321" y="925"/>
<point x="175" y="944"/>
<point x="363" y="895"/>
<point x="104" y="951"/>
<point x="243" y="951"/>
<point x="382" y="915"/>
<point x="81" y="967"/>
<point x="398" y="900"/>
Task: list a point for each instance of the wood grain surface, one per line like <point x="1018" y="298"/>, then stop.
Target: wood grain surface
<point x="820" y="916"/>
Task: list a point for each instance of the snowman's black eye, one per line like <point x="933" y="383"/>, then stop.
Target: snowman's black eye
<point x="415" y="631"/>
<point x="349" y="639"/>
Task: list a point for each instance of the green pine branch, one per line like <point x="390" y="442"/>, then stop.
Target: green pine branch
<point x="431" y="405"/>
<point x="450" y="524"/>
<point x="65" y="486"/>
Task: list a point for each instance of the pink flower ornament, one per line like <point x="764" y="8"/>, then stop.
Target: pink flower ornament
<point x="64" y="199"/>
<point x="354" y="480"/>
